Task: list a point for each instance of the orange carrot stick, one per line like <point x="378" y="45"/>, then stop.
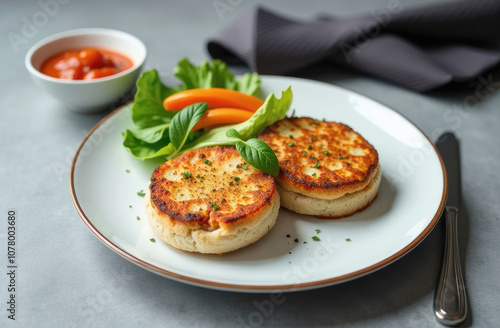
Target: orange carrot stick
<point x="214" y="97"/>
<point x="219" y="116"/>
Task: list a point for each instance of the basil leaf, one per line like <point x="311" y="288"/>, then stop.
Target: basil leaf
<point x="183" y="122"/>
<point x="258" y="154"/>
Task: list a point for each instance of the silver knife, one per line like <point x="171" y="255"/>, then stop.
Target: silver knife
<point x="450" y="299"/>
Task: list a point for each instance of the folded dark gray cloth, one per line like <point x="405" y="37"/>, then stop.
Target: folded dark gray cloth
<point x="419" y="48"/>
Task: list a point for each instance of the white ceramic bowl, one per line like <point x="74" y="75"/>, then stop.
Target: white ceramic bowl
<point x="87" y="96"/>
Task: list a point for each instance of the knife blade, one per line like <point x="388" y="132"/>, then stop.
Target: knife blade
<point x="447" y="144"/>
<point x="450" y="298"/>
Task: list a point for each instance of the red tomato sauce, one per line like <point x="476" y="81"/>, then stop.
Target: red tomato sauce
<point x="85" y="64"/>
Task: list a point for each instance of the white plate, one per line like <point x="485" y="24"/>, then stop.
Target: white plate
<point x="411" y="198"/>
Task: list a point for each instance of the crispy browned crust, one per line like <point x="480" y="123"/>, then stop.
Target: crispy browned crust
<point x="188" y="201"/>
<point x="348" y="165"/>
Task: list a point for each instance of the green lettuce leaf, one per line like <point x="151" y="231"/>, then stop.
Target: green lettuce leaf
<point x="215" y="74"/>
<point x="149" y="137"/>
<point x="142" y="149"/>
<point x="249" y="83"/>
<point x="152" y="134"/>
<point x="152" y="142"/>
<point x="271" y="111"/>
<point x="148" y="110"/>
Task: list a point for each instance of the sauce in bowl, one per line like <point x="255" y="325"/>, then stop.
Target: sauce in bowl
<point x="85" y="64"/>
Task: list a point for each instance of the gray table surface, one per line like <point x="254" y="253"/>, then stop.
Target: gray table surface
<point x="68" y="278"/>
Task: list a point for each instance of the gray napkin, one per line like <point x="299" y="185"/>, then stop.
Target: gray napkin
<point x="421" y="48"/>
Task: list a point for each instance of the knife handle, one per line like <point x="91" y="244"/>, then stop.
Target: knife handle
<point x="450" y="299"/>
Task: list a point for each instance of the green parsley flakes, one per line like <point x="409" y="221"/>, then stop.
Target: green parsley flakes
<point x="138" y="219"/>
<point x="291" y="144"/>
<point x="315" y="165"/>
<point x="141" y="193"/>
<point x="314" y="174"/>
<point x="128" y="171"/>
<point x="214" y="206"/>
<point x="207" y="161"/>
<point x="348" y="239"/>
<point x="326" y="152"/>
<point x="313" y="139"/>
<point x="309" y="147"/>
<point x="315" y="238"/>
<point x="290" y="136"/>
<point x="245" y="166"/>
<point x="236" y="178"/>
<point x="186" y="175"/>
<point x="152" y="240"/>
<point x="317" y="230"/>
<point x="304" y="154"/>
